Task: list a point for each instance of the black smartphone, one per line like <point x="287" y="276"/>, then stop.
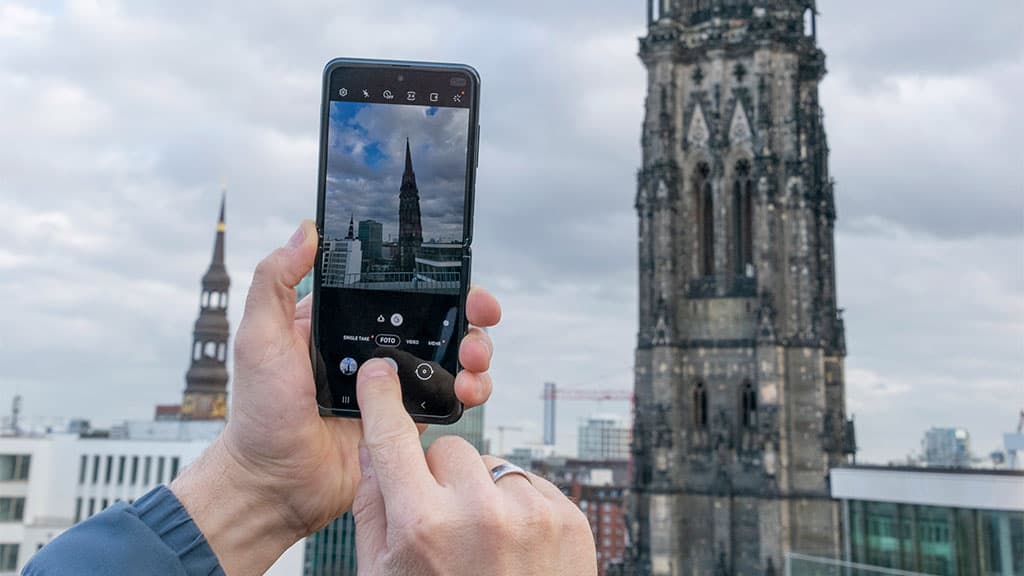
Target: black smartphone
<point x="398" y="154"/>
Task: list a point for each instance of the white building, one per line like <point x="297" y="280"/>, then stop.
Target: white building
<point x="343" y="260"/>
<point x="48" y="483"/>
<point x="603" y="437"/>
<point x="439" y="263"/>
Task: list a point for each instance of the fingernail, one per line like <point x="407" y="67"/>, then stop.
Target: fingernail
<point x="365" y="465"/>
<point x="298" y="237"/>
<point x="379" y="368"/>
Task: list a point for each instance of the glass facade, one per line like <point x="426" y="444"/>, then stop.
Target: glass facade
<point x="332" y="551"/>
<point x="936" y="540"/>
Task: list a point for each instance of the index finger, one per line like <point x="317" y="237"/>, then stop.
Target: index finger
<point x="482" y="308"/>
<point x="392" y="439"/>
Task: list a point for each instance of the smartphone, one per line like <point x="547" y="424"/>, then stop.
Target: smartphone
<point x="398" y="155"/>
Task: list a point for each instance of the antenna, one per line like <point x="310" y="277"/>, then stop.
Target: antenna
<point x="15" y="412"/>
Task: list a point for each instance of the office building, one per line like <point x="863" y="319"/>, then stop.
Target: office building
<point x="739" y="380"/>
<point x="439" y="263"/>
<point x="947" y="522"/>
<point x="342" y="260"/>
<point x="946" y="448"/>
<point x="371" y="236"/>
<point x="603" y="437"/>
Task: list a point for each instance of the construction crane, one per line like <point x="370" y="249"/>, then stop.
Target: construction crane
<point x="501" y="436"/>
<point x="553" y="393"/>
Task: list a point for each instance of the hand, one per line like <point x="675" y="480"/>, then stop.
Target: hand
<point x="441" y="514"/>
<point x="279" y="471"/>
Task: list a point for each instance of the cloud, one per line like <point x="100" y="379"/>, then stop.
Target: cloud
<point x="113" y="160"/>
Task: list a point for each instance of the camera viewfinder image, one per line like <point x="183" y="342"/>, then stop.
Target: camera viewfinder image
<point x="395" y="198"/>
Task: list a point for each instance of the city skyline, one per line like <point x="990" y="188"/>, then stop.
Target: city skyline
<point x="923" y="146"/>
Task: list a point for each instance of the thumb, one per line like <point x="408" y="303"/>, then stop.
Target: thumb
<point x="369" y="513"/>
<point x="270" y="306"/>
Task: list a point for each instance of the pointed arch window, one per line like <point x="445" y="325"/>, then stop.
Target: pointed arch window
<point x="743" y="212"/>
<point x="700" y="406"/>
<point x="705" y="219"/>
<point x="748" y="405"/>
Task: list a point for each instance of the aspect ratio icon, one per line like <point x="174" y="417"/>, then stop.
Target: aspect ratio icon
<point x="434" y="96"/>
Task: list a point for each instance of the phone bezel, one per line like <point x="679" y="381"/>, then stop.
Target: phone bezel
<point x="390" y="66"/>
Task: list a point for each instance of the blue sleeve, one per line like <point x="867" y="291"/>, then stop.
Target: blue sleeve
<point x="154" y="536"/>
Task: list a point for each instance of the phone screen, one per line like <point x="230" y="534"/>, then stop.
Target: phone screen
<point x="392" y="273"/>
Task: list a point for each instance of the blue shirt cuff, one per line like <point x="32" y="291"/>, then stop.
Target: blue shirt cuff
<point x="163" y="513"/>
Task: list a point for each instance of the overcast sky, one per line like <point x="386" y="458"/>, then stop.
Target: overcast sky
<point x="366" y="160"/>
<point x="122" y="120"/>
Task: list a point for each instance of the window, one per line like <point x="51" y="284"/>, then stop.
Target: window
<point x="135" y="470"/>
<point x="174" y="467"/>
<point x="120" y="469"/>
<point x="700" y="406"/>
<point x="705" y="219"/>
<point x="8" y="557"/>
<point x="12" y="509"/>
<point x="145" y="470"/>
<point x="78" y="510"/>
<point x="104" y="504"/>
<point x="14" y="467"/>
<point x="160" y="469"/>
<point x="95" y="469"/>
<point x="109" y="470"/>
<point x="82" y="463"/>
<point x="748" y="405"/>
<point x="92" y="506"/>
<point x="743" y="211"/>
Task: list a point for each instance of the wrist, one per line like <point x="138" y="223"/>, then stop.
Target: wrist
<point x="241" y="520"/>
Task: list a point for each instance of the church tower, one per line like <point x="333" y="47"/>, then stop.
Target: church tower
<point x="740" y="408"/>
<point x="206" y="382"/>
<point x="410" y="231"/>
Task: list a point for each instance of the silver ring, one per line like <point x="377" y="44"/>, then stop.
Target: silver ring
<point x="502" y="470"/>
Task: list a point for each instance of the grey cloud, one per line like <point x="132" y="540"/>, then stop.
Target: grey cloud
<point x="160" y="108"/>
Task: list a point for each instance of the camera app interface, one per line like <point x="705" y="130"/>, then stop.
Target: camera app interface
<point x="390" y="275"/>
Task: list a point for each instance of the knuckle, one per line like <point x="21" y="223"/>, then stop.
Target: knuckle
<point x="422" y="532"/>
<point x="491" y="520"/>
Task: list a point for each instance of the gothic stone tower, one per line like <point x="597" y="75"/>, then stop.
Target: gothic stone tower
<point x="739" y="363"/>
<point x="206" y="382"/>
<point x="410" y="232"/>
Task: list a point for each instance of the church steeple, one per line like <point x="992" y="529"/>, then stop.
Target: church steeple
<point x="410" y="230"/>
<point x="207" y="377"/>
<point x="351" y="227"/>
<point x="408" y="175"/>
